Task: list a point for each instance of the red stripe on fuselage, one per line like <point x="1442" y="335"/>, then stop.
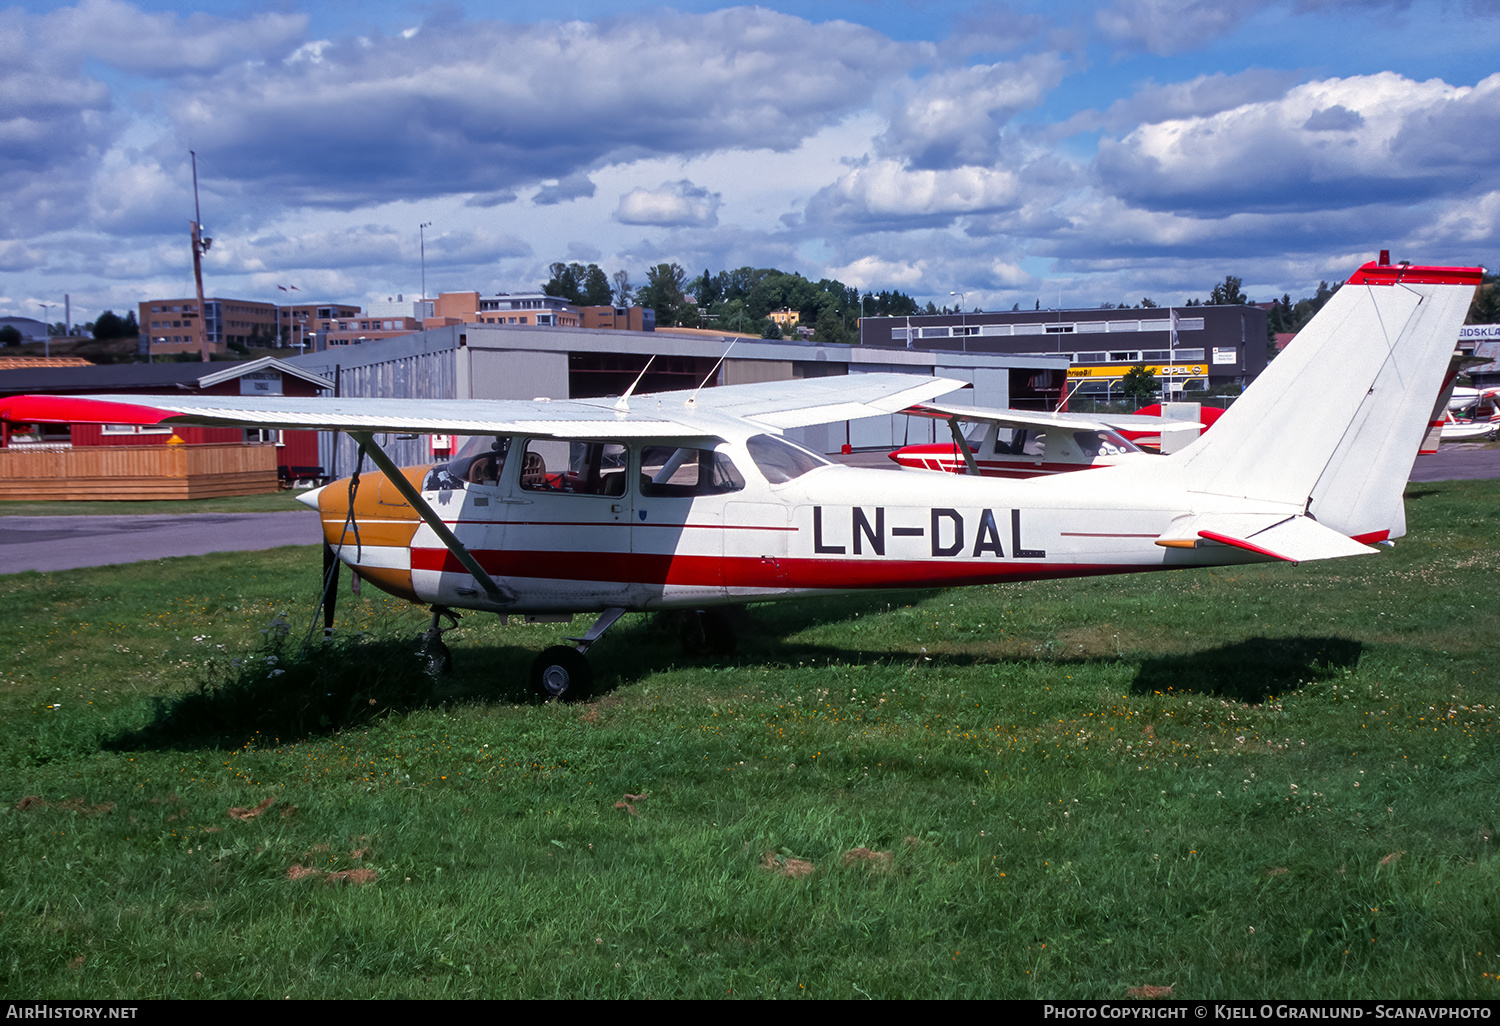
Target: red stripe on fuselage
<point x="757" y="571"/>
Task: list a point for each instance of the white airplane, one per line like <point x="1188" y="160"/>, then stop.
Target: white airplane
<point x="694" y="501"/>
<point x="1024" y="444"/>
<point x="1475" y="417"/>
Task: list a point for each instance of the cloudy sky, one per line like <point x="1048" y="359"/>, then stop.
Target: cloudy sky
<point x="1043" y="149"/>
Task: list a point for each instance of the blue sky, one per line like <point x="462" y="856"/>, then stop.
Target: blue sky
<point x="1097" y="152"/>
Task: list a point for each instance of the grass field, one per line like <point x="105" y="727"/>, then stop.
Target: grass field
<point x="1275" y="781"/>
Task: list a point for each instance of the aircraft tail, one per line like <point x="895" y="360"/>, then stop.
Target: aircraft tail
<point x="1334" y="423"/>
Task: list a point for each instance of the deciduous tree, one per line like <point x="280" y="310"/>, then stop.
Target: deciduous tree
<point x="1139" y="382"/>
<point x="1228" y="293"/>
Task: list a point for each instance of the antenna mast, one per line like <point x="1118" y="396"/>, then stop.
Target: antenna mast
<point x="200" y="246"/>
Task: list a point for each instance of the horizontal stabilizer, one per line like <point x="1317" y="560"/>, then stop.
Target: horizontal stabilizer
<point x="1294" y="539"/>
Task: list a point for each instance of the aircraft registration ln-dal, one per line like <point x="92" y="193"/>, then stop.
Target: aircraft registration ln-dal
<point x="694" y="500"/>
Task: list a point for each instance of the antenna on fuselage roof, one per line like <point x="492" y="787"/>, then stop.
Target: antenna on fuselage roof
<point x="623" y="403"/>
<point x="692" y="400"/>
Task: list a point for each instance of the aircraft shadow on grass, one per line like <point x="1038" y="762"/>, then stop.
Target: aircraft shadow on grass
<point x="323" y="688"/>
<point x="1249" y="671"/>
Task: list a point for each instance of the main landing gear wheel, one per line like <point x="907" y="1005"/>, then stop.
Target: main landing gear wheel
<point x="706" y="632"/>
<point x="562" y="673"/>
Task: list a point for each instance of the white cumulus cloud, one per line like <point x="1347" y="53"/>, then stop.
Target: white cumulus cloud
<point x="675" y="205"/>
<point x="888" y="193"/>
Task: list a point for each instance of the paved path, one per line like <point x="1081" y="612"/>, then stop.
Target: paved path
<point x="66" y="543"/>
<point x="1458" y="461"/>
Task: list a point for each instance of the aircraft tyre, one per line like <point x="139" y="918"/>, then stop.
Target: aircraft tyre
<point x="562" y="673"/>
<point x="434" y="655"/>
<point x="706" y="632"/>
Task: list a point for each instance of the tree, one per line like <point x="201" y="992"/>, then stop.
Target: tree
<point x="1228" y="293"/>
<point x="829" y="328"/>
<point x="566" y="282"/>
<point x="1139" y="382"/>
<point x="663" y="292"/>
<point x="596" y="290"/>
<point x="624" y="292"/>
<point x="110" y="326"/>
<point x="706" y="290"/>
<point x="1147" y="303"/>
<point x="10" y="335"/>
<point x="1485" y="309"/>
<point x="770" y="329"/>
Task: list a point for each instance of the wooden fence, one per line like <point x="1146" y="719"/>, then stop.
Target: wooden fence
<point x="137" y="472"/>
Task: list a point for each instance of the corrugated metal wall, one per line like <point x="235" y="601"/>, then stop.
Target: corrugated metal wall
<point x="419" y="367"/>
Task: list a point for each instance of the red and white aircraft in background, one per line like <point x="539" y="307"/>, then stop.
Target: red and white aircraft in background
<point x="1473" y="417"/>
<point x="694" y="500"/>
<point x="1022" y="444"/>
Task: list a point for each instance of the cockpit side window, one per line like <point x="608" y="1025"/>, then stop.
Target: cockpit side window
<point x="574" y="468"/>
<point x="1103" y="443"/>
<point x="675" y="471"/>
<point x="781" y="461"/>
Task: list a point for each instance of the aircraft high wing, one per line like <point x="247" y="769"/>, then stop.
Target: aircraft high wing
<point x="693" y="501"/>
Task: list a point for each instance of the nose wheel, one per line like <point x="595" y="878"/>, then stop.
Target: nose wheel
<point x="562" y="672"/>
<point x="431" y="650"/>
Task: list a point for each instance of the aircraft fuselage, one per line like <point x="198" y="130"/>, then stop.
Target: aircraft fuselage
<point x="558" y="543"/>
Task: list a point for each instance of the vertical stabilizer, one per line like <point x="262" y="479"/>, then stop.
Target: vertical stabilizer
<point x="1334" y="423"/>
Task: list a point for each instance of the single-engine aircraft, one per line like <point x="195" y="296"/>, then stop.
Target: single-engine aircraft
<point x="694" y="500"/>
<point x="1023" y="444"/>
<point x="1475" y="418"/>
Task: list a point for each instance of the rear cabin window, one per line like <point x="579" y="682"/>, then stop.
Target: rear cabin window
<point x="675" y="471"/>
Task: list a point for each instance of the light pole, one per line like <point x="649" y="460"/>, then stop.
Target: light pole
<point x="47" y="338"/>
<point x="422" y="234"/>
<point x="288" y="289"/>
<point x="963" y="322"/>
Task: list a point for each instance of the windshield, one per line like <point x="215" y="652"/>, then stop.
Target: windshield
<point x="478" y="459"/>
<point x="781" y="461"/>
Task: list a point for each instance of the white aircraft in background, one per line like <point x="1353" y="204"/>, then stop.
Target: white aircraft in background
<point x="1023" y="444"/>
<point x="693" y="500"/>
<point x="1472" y="417"/>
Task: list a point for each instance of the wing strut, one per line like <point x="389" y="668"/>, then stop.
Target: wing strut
<point x="963" y="446"/>
<point x="393" y="474"/>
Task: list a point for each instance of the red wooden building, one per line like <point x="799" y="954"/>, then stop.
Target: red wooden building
<point x="296" y="451"/>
